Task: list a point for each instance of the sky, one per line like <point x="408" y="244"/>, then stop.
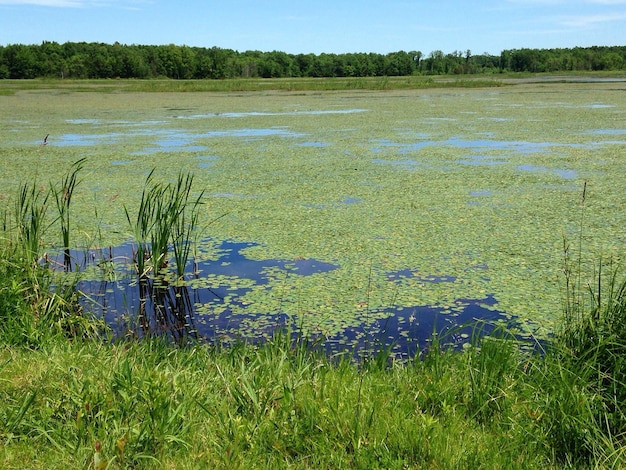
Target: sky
<point x="321" y="26"/>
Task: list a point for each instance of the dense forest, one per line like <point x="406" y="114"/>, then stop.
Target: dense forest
<point x="98" y="60"/>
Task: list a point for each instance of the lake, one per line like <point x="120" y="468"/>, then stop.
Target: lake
<point x="361" y="214"/>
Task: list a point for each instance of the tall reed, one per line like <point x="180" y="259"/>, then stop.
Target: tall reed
<point x="30" y="214"/>
<point x="141" y="225"/>
<point x="167" y="216"/>
<point x="585" y="373"/>
<point x="186" y="221"/>
<point x="63" y="198"/>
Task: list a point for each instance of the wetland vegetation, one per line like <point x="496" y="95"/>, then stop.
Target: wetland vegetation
<point x="354" y="210"/>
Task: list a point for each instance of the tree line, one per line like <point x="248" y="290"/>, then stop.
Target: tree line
<point x="99" y="60"/>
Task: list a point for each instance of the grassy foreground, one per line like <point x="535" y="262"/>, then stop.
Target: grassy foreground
<point x="70" y="400"/>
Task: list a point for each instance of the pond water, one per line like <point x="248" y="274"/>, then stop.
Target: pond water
<point x="371" y="213"/>
<point x="138" y="307"/>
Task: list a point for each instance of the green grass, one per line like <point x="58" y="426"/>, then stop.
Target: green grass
<point x="71" y="400"/>
<point x="9" y="87"/>
<point x="242" y="408"/>
<point x="150" y="404"/>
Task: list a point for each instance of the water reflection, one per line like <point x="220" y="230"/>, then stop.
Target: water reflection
<point x="208" y="305"/>
<point x="407" y="331"/>
<point x="566" y="174"/>
<point x="157" y="305"/>
<point x="516" y="146"/>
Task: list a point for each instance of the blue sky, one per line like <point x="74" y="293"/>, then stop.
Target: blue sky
<point x="333" y="26"/>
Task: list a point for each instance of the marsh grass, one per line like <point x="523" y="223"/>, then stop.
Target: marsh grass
<point x="251" y="84"/>
<point x="32" y="282"/>
<point x="592" y="351"/>
<point x="185" y="216"/>
<point x="167" y="216"/>
<point x="29" y="216"/>
<point x="63" y="197"/>
<point x="492" y="368"/>
<point x="165" y="227"/>
<point x="584" y="371"/>
<point x="141" y="226"/>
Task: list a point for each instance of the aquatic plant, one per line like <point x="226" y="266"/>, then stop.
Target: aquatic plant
<point x="167" y="216"/>
<point x="141" y="226"/>
<point x="184" y="216"/>
<point x="63" y="198"/>
<point x="494" y="228"/>
<point x="30" y="213"/>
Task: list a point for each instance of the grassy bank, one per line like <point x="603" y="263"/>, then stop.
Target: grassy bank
<point x="8" y="87"/>
<point x="71" y="400"/>
<point x="416" y="82"/>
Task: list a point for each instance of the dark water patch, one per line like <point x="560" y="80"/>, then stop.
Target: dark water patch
<point x="407" y="332"/>
<point x="201" y="307"/>
<point x="210" y="305"/>
<point x="231" y="261"/>
<point x="234" y="263"/>
<point x="403" y="332"/>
